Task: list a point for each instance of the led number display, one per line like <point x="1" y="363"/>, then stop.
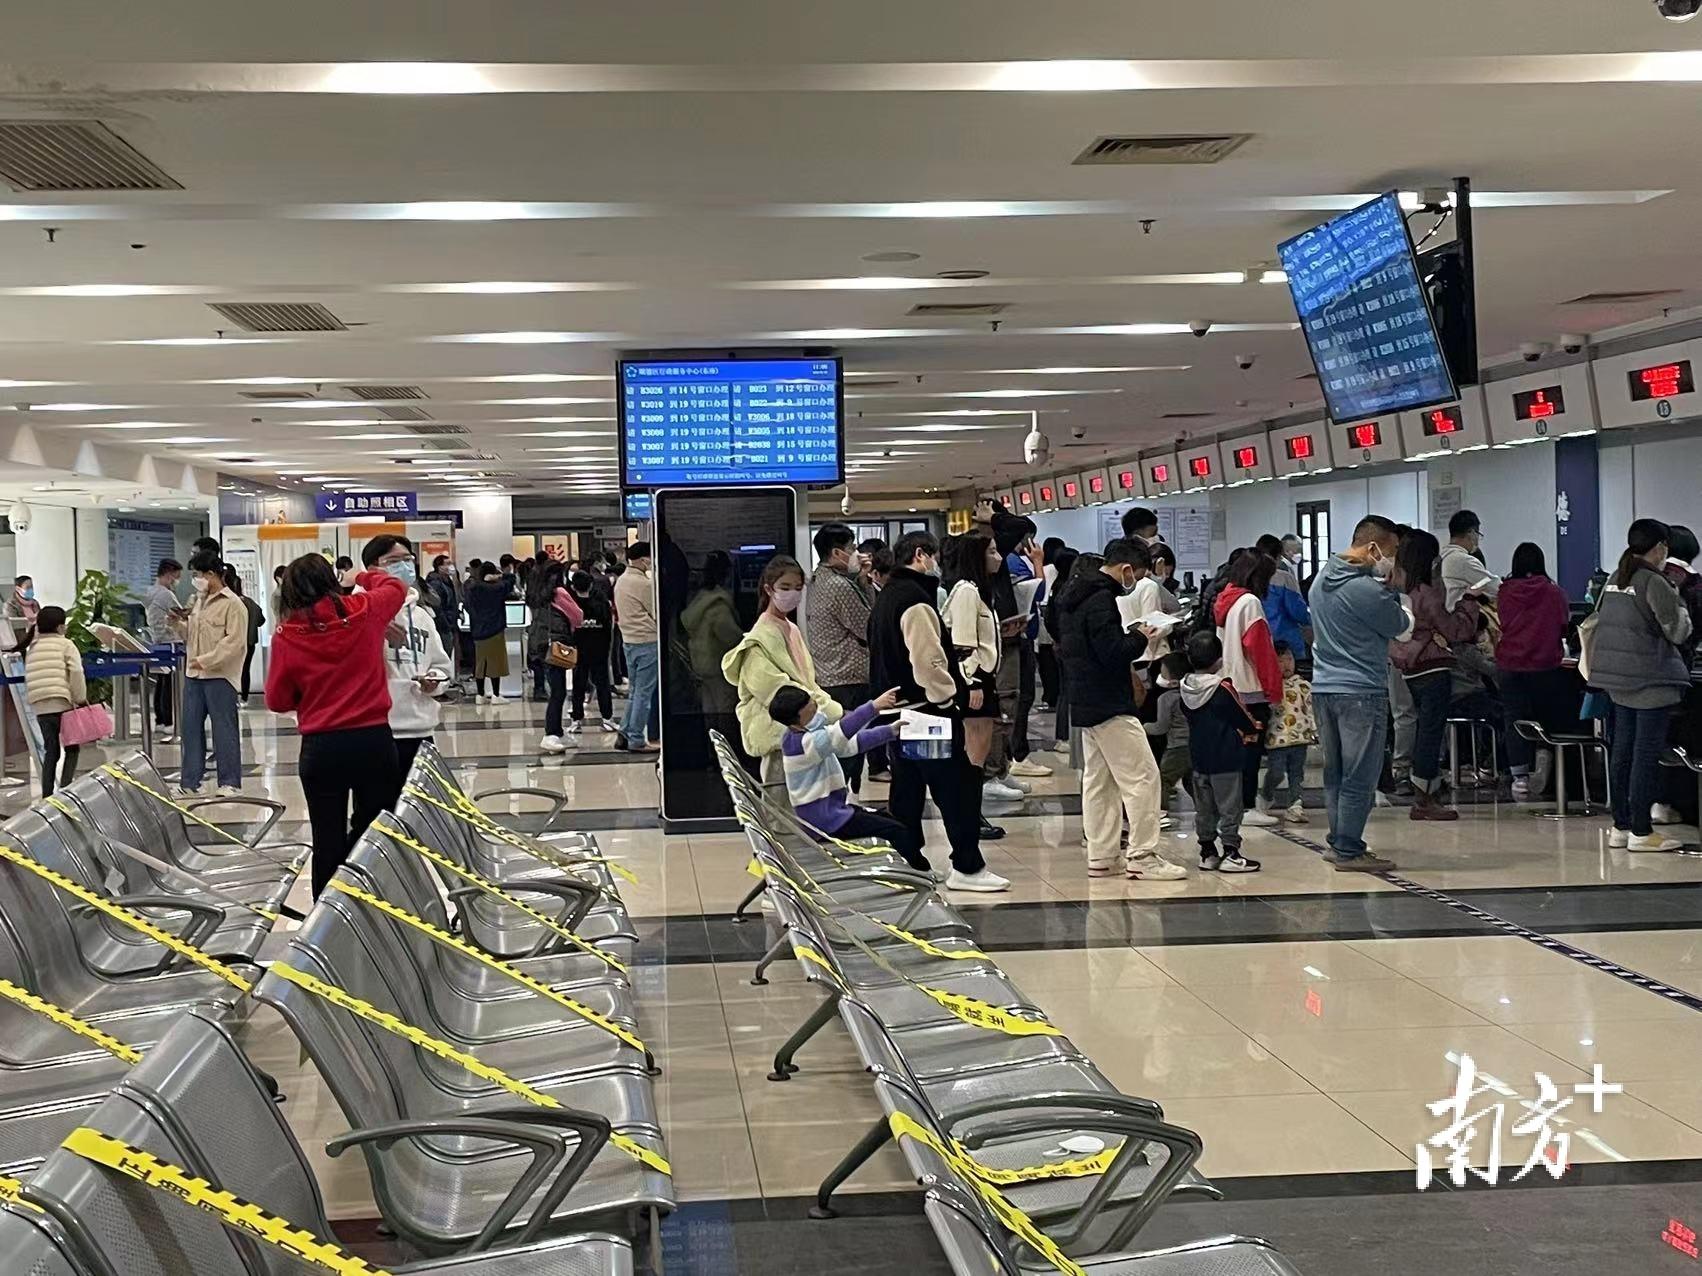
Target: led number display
<point x="1662" y="381"/>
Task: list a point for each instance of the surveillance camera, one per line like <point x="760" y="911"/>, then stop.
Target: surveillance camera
<point x="1531" y="351"/>
<point x="1678" y="10"/>
<point x="1036" y="448"/>
<point x="1199" y="327"/>
<point x="847" y="506"/>
<point x="1076" y="432"/>
<point x="1245" y="361"/>
<point x="1572" y="342"/>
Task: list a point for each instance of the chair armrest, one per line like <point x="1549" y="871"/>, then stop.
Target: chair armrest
<point x="203" y="920"/>
<point x="558" y="801"/>
<point x="548" y="1151"/>
<point x="578" y="900"/>
<point x="593" y="1132"/>
<point x="276" y="810"/>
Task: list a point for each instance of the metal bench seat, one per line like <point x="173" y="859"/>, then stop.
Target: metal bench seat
<point x="182" y="1105"/>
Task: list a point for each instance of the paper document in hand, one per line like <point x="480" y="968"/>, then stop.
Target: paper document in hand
<point x="916" y="725"/>
<point x="1158" y="620"/>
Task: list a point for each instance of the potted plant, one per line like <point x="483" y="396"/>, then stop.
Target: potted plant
<point x="99" y="599"/>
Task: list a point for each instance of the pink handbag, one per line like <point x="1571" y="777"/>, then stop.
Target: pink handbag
<point x="85" y="725"/>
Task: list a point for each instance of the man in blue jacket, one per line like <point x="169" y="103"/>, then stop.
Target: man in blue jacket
<point x="1355" y="615"/>
<point x="1285" y="606"/>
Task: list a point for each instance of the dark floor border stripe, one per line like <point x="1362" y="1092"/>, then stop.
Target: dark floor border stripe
<point x="1648" y="983"/>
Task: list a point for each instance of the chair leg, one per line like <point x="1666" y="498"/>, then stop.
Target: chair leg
<point x="819" y="1018"/>
<point x="739" y="917"/>
<point x="872" y="1141"/>
<point x="781" y="945"/>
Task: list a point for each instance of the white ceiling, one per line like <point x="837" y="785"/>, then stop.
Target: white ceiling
<point x="686" y="175"/>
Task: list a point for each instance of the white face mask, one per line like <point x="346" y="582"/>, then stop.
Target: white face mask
<point x="1383" y="566"/>
<point x="786" y="600"/>
<point x="202" y="584"/>
<point x="818" y="722"/>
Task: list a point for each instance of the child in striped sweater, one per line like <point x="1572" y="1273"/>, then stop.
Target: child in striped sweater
<point x="815" y="782"/>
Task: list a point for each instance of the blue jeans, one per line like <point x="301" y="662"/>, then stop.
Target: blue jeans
<point x="1352" y="727"/>
<point x="1285" y="770"/>
<point x="641" y="671"/>
<point x="1432" y="697"/>
<point x="1638" y="738"/>
<point x="214" y="698"/>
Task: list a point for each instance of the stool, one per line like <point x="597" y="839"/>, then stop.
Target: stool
<point x="1470" y="724"/>
<point x="1536" y="733"/>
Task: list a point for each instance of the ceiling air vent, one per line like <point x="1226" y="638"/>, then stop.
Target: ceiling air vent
<point x="961" y="308"/>
<point x="1184" y="416"/>
<point x="436" y="429"/>
<point x="1162" y="149"/>
<point x="279" y="316"/>
<point x="276" y="396"/>
<point x="405" y="414"/>
<point x="387" y="392"/>
<point x="1621" y="298"/>
<point x="74" y="155"/>
<point x="448" y="438"/>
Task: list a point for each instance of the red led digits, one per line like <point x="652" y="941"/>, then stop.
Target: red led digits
<point x="1299" y="448"/>
<point x="1247" y="457"/>
<point x="1096" y="484"/>
<point x="1367" y="435"/>
<point x="1161" y="474"/>
<point x="1200" y="466"/>
<point x="1443" y="421"/>
<point x="1126" y="480"/>
<point x="1662" y="381"/>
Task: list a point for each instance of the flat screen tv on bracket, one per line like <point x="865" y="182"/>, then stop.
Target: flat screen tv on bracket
<point x="705" y="418"/>
<point x="1363" y="311"/>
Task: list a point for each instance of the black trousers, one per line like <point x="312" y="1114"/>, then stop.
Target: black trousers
<point x="956" y="788"/>
<point x="1024" y="699"/>
<point x="1046" y="656"/>
<point x="50" y="751"/>
<point x="247" y="669"/>
<point x="1254" y="761"/>
<point x="406" y="750"/>
<point x="162" y="699"/>
<point x="336" y="766"/>
<point x="850" y="695"/>
<point x="586" y="675"/>
<point x="867" y="823"/>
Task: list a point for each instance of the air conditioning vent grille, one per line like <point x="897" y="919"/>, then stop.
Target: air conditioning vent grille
<point x="279" y="316"/>
<point x="386" y="392"/>
<point x="1621" y="298"/>
<point x="405" y="414"/>
<point x="1162" y="149"/>
<point x="276" y="396"/>
<point x="1184" y="416"/>
<point x="74" y="155"/>
<point x="961" y="308"/>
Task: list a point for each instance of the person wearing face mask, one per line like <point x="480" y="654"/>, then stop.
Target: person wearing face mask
<point x="970" y="562"/>
<point x="213" y="657"/>
<point x="256" y="622"/>
<point x="773" y="655"/>
<point x="1119" y="773"/>
<point x="635" y="612"/>
<point x="837" y="626"/>
<point x="1461" y="569"/>
<point x="416" y="664"/>
<point x="22" y="604"/>
<point x="1356" y="614"/>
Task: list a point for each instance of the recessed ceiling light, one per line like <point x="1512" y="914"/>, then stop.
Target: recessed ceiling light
<point x="540" y="377"/>
<point x="405" y="77"/>
<point x="892" y="255"/>
<point x="107" y="290"/>
<point x="198" y="341"/>
<point x="546" y="401"/>
<point x="84" y="407"/>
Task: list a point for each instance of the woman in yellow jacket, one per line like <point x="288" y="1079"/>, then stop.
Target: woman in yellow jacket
<point x="53" y="677"/>
<point x="771" y="656"/>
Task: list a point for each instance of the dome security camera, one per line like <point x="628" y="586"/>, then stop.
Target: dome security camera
<point x="847" y="506"/>
<point x="1678" y="10"/>
<point x="1036" y="448"/>
<point x="1199" y="327"/>
<point x="1572" y="342"/>
<point x="1245" y="361"/>
<point x="1531" y="351"/>
<point x="1076" y="432"/>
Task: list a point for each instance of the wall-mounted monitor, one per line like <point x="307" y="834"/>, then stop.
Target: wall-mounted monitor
<point x="1022" y="500"/>
<point x="1128" y="481"/>
<point x="1160" y="474"/>
<point x="1201" y="467"/>
<point x="1098" y="487"/>
<point x="1069" y="491"/>
<point x="1446" y="428"/>
<point x="636" y="507"/>
<point x="1005" y="496"/>
<point x="1302" y="449"/>
<point x="1046" y="493"/>
<point x="1364" y="314"/>
<point x="698" y="419"/>
<point x="1647" y="387"/>
<point x="1246" y="459"/>
<point x="1543" y="405"/>
<point x="1368" y="442"/>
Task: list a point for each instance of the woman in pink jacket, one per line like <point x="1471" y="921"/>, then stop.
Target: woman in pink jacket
<point x="1250" y="661"/>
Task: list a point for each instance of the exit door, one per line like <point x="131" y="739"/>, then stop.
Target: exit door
<point x="1312" y="524"/>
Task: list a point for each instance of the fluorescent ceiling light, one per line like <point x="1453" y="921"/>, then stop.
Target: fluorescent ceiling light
<point x="557" y="434"/>
<point x="29" y="385"/>
<point x="198" y="341"/>
<point x="539" y="377"/>
<point x="260" y="381"/>
<point x="1273" y="277"/>
<point x="1082" y="371"/>
<point x="514" y="287"/>
<point x="136" y="425"/>
<point x="544" y="402"/>
<point x="405" y="77"/>
<point x="184" y="440"/>
<point x="547" y="420"/>
<point x="106" y="290"/>
<point x="84" y="407"/>
<point x="1067" y="75"/>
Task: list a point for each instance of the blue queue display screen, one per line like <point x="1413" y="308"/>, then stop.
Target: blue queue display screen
<point x="687" y="421"/>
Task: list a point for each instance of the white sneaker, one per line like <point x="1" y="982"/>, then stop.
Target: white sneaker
<point x="998" y="791"/>
<point x="1165" y="822"/>
<point x="609" y="725"/>
<point x="1295" y="814"/>
<point x="1260" y="819"/>
<point x="1155" y="868"/>
<point x="1618" y="838"/>
<point x="228" y="790"/>
<point x="551" y="744"/>
<point x="1261" y="803"/>
<point x="1030" y="768"/>
<point x="938" y="874"/>
<point x="165" y="737"/>
<point x="1063" y="746"/>
<point x="1659" y="813"/>
<point x="180" y="793"/>
<point x="986" y="882"/>
<point x="1655" y="842"/>
<point x="573" y="726"/>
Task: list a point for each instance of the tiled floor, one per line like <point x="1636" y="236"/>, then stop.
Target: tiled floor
<point x="1303" y="1021"/>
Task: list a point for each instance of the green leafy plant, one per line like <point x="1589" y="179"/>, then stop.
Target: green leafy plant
<point x="99" y="598"/>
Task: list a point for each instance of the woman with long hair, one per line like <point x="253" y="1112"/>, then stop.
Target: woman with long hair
<point x="328" y="669"/>
<point x="53" y="677"/>
<point x="1249" y="661"/>
<point x="773" y="655"/>
<point x="1427" y="661"/>
<point x="968" y="565"/>
<point x="1534" y="615"/>
<point x="1082" y="567"/>
<point x="1062" y="569"/>
<point x="1636" y="657"/>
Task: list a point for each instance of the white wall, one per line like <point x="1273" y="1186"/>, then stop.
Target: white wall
<point x="47" y="551"/>
<point x="94" y="545"/>
<point x="1666" y="483"/>
<point x="1513" y="493"/>
<point x="487" y="529"/>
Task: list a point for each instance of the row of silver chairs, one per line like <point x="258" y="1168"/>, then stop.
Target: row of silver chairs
<point x="480" y="941"/>
<point x="1030" y="1158"/>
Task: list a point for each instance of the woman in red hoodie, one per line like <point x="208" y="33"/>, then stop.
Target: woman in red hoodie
<point x="1534" y="614"/>
<point x="327" y="668"/>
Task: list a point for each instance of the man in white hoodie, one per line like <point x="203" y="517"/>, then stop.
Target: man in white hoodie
<point x="415" y="663"/>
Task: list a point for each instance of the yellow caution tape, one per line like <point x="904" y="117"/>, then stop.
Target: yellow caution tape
<point x="489" y="887"/>
<point x="10" y="1193"/>
<point x="237" y="1214"/>
<point x="118" y="772"/>
<point x="127" y="917"/>
<point x="806" y="953"/>
<point x="443" y="1050"/>
<point x="472" y="813"/>
<point x="1008" y="1215"/>
<point x="933" y="950"/>
<point x="461" y="946"/>
<point x="60" y="804"/>
<point x="65" y="1019"/>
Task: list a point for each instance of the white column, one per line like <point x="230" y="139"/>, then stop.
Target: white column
<point x="47" y="553"/>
